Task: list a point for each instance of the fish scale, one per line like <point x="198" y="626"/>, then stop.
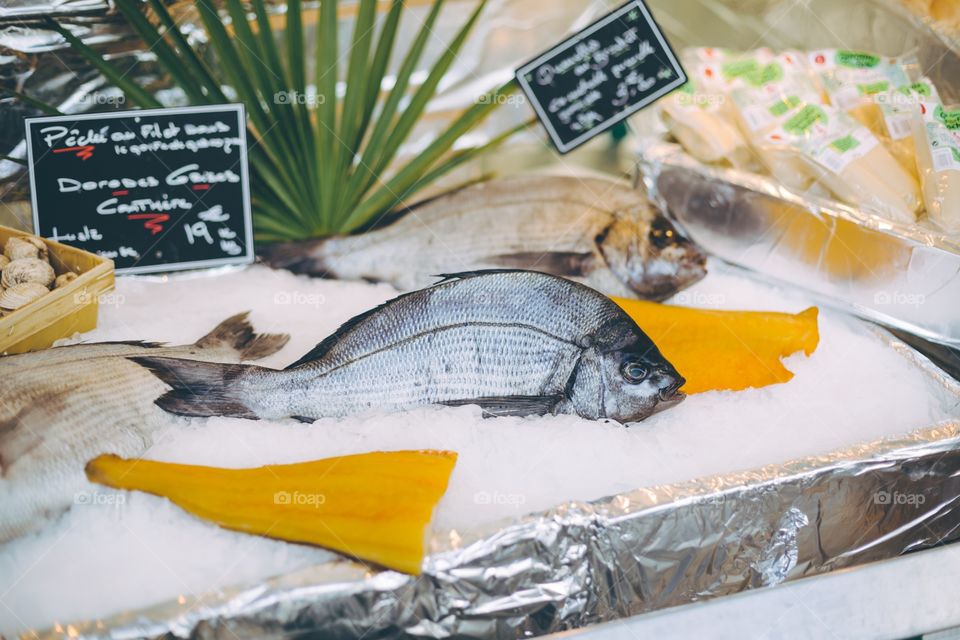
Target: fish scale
<point x="61" y="407"/>
<point x="601" y="232"/>
<point x="510" y="341"/>
<point x="484" y="361"/>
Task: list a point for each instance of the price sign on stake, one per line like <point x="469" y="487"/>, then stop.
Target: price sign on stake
<point x="600" y="75"/>
<point x="154" y="190"/>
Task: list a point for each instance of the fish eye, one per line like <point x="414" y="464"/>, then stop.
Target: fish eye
<point x="662" y="233"/>
<point x="633" y="371"/>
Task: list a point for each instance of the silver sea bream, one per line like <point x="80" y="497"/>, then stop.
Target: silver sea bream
<point x="65" y="405"/>
<point x="598" y="231"/>
<point x="512" y="342"/>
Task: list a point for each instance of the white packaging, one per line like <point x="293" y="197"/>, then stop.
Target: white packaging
<point x="936" y="132"/>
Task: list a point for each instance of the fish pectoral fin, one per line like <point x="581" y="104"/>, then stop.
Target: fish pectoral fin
<point x="557" y="263"/>
<point x="496" y="406"/>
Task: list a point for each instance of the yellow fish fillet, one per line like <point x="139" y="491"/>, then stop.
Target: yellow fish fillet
<point x="371" y="506"/>
<point x="725" y="350"/>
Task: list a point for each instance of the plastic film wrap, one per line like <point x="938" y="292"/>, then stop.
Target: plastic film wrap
<point x="905" y="276"/>
<point x="586" y="562"/>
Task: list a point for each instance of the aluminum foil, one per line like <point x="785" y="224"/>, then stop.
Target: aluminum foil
<point x="34" y="60"/>
<point x="587" y="562"/>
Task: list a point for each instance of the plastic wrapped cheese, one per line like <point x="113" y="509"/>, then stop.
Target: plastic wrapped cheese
<point x="853" y="165"/>
<point x="695" y="120"/>
<point x="697" y="113"/>
<point x="767" y="97"/>
<point x="850" y="78"/>
<point x="829" y="122"/>
<point x="820" y="145"/>
<point x="781" y="146"/>
<point x="777" y="87"/>
<point x="936" y="132"/>
<point x="897" y="107"/>
<point x="849" y="160"/>
<point x="875" y="91"/>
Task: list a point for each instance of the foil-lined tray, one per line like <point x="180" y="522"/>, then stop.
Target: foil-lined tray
<point x="904" y="276"/>
<point x="587" y="562"/>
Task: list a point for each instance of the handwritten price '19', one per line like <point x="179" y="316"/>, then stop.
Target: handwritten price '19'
<point x="200" y="231"/>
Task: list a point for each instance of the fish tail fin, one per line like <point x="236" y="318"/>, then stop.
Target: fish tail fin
<point x="200" y="389"/>
<point x="238" y="334"/>
<point x="305" y="256"/>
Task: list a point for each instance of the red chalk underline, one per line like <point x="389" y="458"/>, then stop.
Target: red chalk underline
<point x="84" y="152"/>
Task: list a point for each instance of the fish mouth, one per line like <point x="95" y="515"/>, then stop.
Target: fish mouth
<point x="693" y="266"/>
<point x="670" y="395"/>
<point x="667" y="401"/>
<point x="672" y="269"/>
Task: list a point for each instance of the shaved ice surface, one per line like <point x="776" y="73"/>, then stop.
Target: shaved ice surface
<point x="117" y="551"/>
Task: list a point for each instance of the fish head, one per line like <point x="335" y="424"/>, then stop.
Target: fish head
<point x="637" y="380"/>
<point x="650" y="255"/>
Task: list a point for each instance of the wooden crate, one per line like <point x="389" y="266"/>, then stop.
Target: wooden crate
<point x="62" y="312"/>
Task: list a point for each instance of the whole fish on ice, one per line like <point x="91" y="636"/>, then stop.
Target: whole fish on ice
<point x="513" y="342"/>
<point x="63" y="406"/>
<point x="600" y="232"/>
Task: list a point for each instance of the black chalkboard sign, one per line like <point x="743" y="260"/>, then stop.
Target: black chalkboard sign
<point x="154" y="190"/>
<point x="600" y="75"/>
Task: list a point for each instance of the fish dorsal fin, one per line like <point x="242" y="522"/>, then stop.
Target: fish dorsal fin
<point x="324" y="346"/>
<point x="463" y="275"/>
<point x="327" y="343"/>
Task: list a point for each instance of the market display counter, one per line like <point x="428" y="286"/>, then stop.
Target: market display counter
<point x="792" y="483"/>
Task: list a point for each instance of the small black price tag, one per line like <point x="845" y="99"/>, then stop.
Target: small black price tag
<point x="153" y="190"/>
<point x="600" y="75"/>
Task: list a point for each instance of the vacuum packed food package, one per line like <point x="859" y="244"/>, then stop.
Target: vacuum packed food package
<point x="903" y="274"/>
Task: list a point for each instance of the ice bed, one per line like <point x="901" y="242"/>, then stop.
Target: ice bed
<point x="117" y="560"/>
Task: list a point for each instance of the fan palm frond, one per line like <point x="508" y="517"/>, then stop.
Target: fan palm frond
<point x="321" y="164"/>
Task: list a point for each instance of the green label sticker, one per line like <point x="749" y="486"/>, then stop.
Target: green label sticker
<point x="800" y="123"/>
<point x="857" y="59"/>
<point x="950" y="119"/>
<point x="873" y="88"/>
<point x="919" y="88"/>
<point x="845" y="143"/>
<point x="780" y="107"/>
<point x="765" y="75"/>
<point x="739" y="68"/>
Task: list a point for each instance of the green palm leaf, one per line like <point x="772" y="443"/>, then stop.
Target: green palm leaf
<point x="317" y="166"/>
